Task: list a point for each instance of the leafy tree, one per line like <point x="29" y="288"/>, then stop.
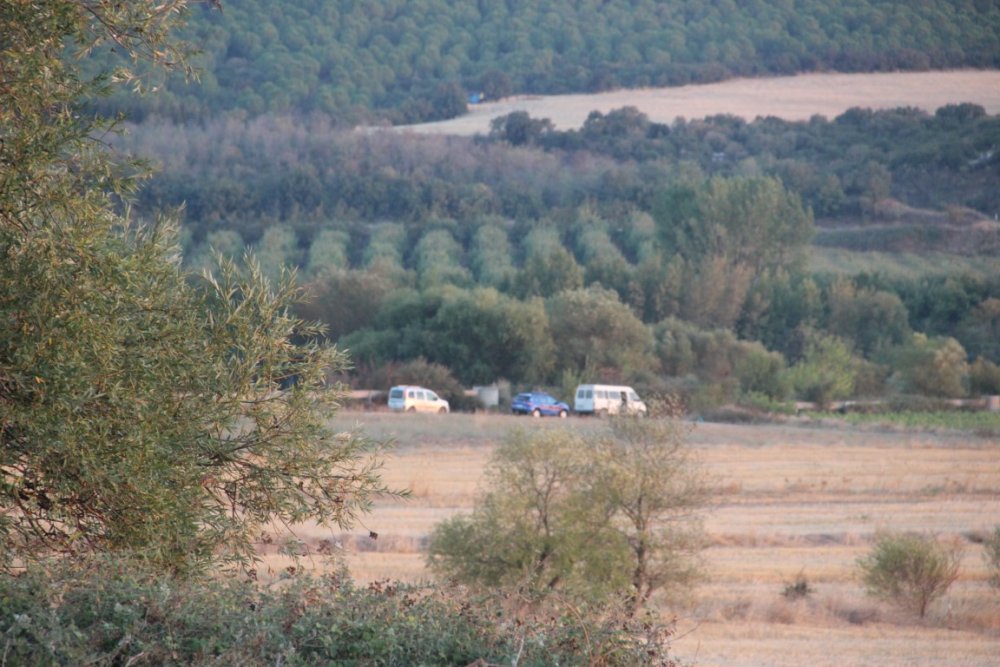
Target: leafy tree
<point x="910" y="570"/>
<point x="593" y="331"/>
<point x="607" y="516"/>
<point x="645" y="474"/>
<point x="729" y="232"/>
<point x="548" y="274"/>
<point x="139" y="412"/>
<point x="873" y="320"/>
<point x="277" y="251"/>
<point x="518" y="128"/>
<point x="532" y="529"/>
<point x="826" y="372"/>
<point x="932" y="366"/>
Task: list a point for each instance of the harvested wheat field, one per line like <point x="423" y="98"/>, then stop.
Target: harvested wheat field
<point x="792" y="98"/>
<point x="790" y="500"/>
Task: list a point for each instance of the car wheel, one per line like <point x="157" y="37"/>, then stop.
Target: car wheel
<point x="536" y="413"/>
<point x="562" y="414"/>
<point x="411" y="409"/>
<point x="442" y="411"/>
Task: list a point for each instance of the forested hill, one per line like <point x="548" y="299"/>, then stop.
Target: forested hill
<point x="414" y="60"/>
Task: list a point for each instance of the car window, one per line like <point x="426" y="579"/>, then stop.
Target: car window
<point x="421" y="396"/>
<point x="431" y="396"/>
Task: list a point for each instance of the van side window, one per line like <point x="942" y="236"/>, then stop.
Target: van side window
<point x="411" y="394"/>
<point x="590" y="393"/>
<point x="582" y="393"/>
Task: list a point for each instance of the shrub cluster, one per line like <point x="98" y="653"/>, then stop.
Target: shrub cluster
<point x="115" y="614"/>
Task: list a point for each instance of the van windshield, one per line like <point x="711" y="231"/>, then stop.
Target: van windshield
<point x="396" y="393"/>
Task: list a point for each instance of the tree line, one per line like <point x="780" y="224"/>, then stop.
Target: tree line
<point x="416" y="61"/>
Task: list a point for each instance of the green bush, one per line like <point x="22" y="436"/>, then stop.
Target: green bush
<point x="605" y="517"/>
<point x="910" y="570"/>
<point x="991" y="554"/>
<point x="113" y="614"/>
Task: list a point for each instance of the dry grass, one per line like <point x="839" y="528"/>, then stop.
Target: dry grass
<point x="790" y="500"/>
<point x="792" y="98"/>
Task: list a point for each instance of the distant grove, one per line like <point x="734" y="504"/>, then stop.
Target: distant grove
<point x="414" y="60"/>
<point x="674" y="256"/>
<point x="680" y="257"/>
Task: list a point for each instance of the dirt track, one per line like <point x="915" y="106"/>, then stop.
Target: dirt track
<point x="792" y="98"/>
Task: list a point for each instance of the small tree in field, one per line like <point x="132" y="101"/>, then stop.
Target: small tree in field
<point x="612" y="515"/>
<point x="910" y="570"/>
<point x="644" y="475"/>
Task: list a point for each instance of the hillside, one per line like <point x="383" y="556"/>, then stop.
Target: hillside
<point x="792" y="98"/>
<point x="416" y="60"/>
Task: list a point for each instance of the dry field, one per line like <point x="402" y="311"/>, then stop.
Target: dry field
<point x="789" y="499"/>
<point x="792" y="98"/>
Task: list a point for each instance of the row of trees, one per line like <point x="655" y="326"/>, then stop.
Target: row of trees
<point x="304" y="172"/>
<point x="413" y="61"/>
<point x="855" y="349"/>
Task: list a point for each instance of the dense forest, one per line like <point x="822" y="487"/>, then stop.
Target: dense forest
<point x="414" y="60"/>
<point x="680" y="257"/>
<point x="672" y="256"/>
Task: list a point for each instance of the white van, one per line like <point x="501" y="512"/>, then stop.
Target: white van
<point x="411" y="398"/>
<point x="607" y="399"/>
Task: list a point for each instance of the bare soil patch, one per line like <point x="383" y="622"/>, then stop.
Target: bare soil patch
<point x="792" y="98"/>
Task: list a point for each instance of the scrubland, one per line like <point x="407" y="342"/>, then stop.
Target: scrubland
<point x="791" y="501"/>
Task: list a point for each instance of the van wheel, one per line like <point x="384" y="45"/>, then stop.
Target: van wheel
<point x="562" y="414"/>
<point x="411" y="409"/>
<point x="536" y="413"/>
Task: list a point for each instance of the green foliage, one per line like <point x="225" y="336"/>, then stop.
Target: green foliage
<point x="111" y="613"/>
<point x="606" y="516"/>
<point x="984" y="377"/>
<point x="910" y="570"/>
<point x="932" y="366"/>
<point x="725" y="234"/>
<point x="991" y="556"/>
<point x="354" y="60"/>
<point x="872" y="320"/>
<point x="826" y="372"/>
<point x="140" y="412"/>
<point x="592" y="330"/>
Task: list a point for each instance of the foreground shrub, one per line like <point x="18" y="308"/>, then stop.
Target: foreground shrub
<point x="109" y="614"/>
<point x="910" y="570"/>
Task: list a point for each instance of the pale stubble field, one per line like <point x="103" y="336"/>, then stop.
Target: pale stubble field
<point x="788" y="499"/>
